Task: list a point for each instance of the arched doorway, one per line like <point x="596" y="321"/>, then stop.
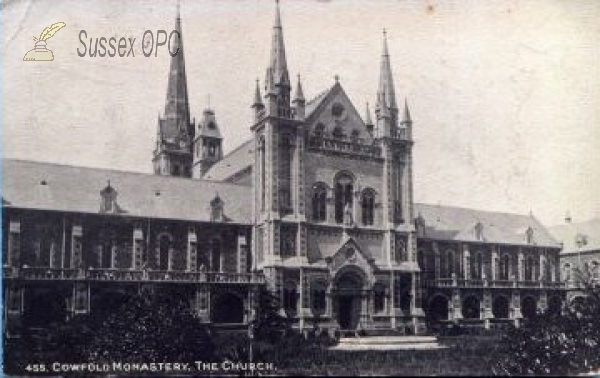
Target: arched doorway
<point x="471" y="309"/>
<point x="348" y="299"/>
<point x="528" y="307"/>
<point x="228" y="308"/>
<point x="500" y="307"/>
<point x="438" y="309"/>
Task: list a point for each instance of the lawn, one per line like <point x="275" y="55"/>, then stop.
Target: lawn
<point x="466" y="355"/>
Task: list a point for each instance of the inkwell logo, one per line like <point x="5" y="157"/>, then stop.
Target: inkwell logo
<point x="40" y="52"/>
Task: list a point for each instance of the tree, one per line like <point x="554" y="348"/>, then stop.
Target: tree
<point x="150" y="327"/>
<point x="557" y="344"/>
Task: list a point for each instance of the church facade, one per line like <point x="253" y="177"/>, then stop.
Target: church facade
<point x="317" y="206"/>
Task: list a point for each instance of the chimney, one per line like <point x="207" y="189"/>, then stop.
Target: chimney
<point x="568" y="217"/>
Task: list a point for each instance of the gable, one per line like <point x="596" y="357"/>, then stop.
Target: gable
<point x="337" y="117"/>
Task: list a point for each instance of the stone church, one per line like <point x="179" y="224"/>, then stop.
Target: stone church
<point x="317" y="205"/>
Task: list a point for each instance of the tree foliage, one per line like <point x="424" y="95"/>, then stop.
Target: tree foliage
<point x="150" y="327"/>
<point x="556" y="344"/>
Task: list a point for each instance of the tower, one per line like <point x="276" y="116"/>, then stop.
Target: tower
<point x="396" y="143"/>
<point x="173" y="152"/>
<point x="207" y="146"/>
<point x="278" y="128"/>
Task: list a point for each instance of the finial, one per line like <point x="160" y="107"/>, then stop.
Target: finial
<point x="384" y="32"/>
<point x="337" y="78"/>
<point x="208" y="100"/>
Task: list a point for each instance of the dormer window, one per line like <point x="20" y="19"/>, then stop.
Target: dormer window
<point x="479" y="231"/>
<point x="108" y="201"/>
<point x="530" y="236"/>
<point x="216" y="209"/>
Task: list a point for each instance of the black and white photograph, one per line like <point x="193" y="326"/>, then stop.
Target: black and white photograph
<point x="300" y="188"/>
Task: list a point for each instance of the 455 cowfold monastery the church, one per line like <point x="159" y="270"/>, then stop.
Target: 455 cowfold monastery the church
<point x="317" y="205"/>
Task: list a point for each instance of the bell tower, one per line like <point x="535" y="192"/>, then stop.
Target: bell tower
<point x="208" y="144"/>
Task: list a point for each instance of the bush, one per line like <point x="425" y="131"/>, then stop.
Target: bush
<point x="563" y="344"/>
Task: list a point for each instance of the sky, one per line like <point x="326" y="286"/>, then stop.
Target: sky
<point x="504" y="95"/>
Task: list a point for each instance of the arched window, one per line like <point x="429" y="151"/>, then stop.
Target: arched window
<point x="450" y="261"/>
<point x="285" y="164"/>
<point x="354" y="136"/>
<point x="504" y="267"/>
<point x="338" y="133"/>
<point x="476" y="265"/>
<point x="368" y="207"/>
<point x="529" y="268"/>
<point x="344" y="190"/>
<point x="379" y="297"/>
<point x="400" y="252"/>
<point x="164" y="246"/>
<point x="215" y="255"/>
<point x="319" y="203"/>
<point x="318" y="133"/>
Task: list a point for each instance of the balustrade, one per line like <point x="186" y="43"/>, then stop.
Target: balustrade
<point x="125" y="275"/>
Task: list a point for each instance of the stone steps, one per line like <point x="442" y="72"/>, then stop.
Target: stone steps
<point x="388" y="343"/>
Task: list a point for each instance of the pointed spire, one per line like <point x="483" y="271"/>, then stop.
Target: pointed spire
<point x="406" y="120"/>
<point x="277" y="72"/>
<point x="177" y="111"/>
<point x="386" y="81"/>
<point x="299" y="96"/>
<point x="257" y="96"/>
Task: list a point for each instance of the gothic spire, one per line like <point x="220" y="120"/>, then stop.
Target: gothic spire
<point x="177" y="103"/>
<point x="386" y="89"/>
<point x="299" y="96"/>
<point x="257" y="96"/>
<point x="406" y="120"/>
<point x="277" y="72"/>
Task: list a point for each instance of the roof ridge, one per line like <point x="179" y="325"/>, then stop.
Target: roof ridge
<point x="99" y="169"/>
<point x="478" y="210"/>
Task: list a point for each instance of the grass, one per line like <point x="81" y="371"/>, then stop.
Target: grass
<point x="470" y="355"/>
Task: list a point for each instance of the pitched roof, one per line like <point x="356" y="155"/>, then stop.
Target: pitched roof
<point x="569" y="234"/>
<point x="456" y="223"/>
<point x="237" y="160"/>
<point x="77" y="189"/>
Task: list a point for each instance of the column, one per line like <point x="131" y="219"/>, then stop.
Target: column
<point x="416" y="302"/>
<point x="542" y="304"/>
<point x="202" y="303"/>
<point x="138" y="247"/>
<point x="304" y="298"/>
<point x="436" y="251"/>
<point x="516" y="307"/>
<point x="13" y="305"/>
<point x="113" y="254"/>
<point x="191" y="260"/>
<point x="14" y="244"/>
<point x="456" y="305"/>
<point x="466" y="263"/>
<point x="392" y="306"/>
<point x="80" y="303"/>
<point x="170" y="258"/>
<point x="520" y="272"/>
<point x="494" y="263"/>
<point x="242" y="252"/>
<point x="487" y="308"/>
<point x="542" y="267"/>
